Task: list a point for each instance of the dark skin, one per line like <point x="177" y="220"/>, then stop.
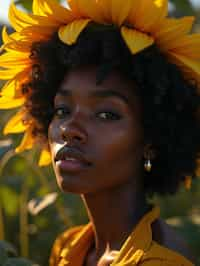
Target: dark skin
<point x="107" y="128"/>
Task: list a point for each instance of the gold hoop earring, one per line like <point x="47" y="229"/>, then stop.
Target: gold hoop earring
<point x="148" y="165"/>
<point x="149" y="154"/>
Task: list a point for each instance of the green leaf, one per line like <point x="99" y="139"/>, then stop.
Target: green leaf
<point x="8" y="248"/>
<point x="183" y="5"/>
<point x="27" y="4"/>
<point x="3" y="256"/>
<point x="19" y="262"/>
<point x="10" y="200"/>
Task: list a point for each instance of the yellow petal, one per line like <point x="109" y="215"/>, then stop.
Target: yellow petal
<point x="87" y="9"/>
<point x="104" y="11"/>
<point x="194" y="65"/>
<point x="120" y="10"/>
<point x="105" y="7"/>
<point x="45" y="158"/>
<point x="75" y="8"/>
<point x="27" y="141"/>
<point x="14" y="59"/>
<point x="8" y="38"/>
<point x="20" y="46"/>
<point x="188" y="46"/>
<point x="5" y="36"/>
<point x="8" y="103"/>
<point x="135" y="40"/>
<point x="180" y="26"/>
<point x="8" y="89"/>
<point x="147" y="14"/>
<point x="20" y="20"/>
<point x="38" y="33"/>
<point x="70" y="33"/>
<point x="38" y="8"/>
<point x="15" y="124"/>
<point x="12" y="88"/>
<point x="171" y="30"/>
<point x="133" y="12"/>
<point x="189" y="67"/>
<point x="7" y="74"/>
<point x="51" y="9"/>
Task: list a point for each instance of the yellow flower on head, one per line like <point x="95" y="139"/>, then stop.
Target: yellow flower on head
<point x="15" y="124"/>
<point x="53" y="11"/>
<point x="45" y="158"/>
<point x="27" y="142"/>
<point x="155" y="12"/>
<point x="69" y="34"/>
<point x="141" y="23"/>
<point x="8" y="102"/>
<point x="135" y="40"/>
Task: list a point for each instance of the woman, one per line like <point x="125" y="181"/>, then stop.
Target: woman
<point x="110" y="92"/>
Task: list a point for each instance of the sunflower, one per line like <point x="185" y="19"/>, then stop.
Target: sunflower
<point x="139" y="29"/>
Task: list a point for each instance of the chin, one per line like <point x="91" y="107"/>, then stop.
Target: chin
<point x="72" y="187"/>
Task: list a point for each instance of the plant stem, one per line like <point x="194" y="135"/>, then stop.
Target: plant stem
<point x="2" y="232"/>
<point x="24" y="237"/>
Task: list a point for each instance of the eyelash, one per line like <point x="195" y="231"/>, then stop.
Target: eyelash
<point x="57" y="109"/>
<point x="113" y="114"/>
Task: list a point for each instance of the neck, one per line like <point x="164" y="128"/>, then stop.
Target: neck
<point x="114" y="213"/>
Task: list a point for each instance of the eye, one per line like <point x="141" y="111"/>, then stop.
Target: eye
<point x="62" y="111"/>
<point x="108" y="115"/>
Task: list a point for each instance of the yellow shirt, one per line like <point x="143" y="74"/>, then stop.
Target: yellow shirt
<point x="139" y="249"/>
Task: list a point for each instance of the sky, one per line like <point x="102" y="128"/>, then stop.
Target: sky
<point x="5" y="5"/>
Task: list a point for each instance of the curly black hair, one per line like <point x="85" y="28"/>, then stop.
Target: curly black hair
<point x="169" y="102"/>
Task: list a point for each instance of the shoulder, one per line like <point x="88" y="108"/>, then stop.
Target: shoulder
<point x="62" y="240"/>
<point x="159" y="255"/>
<point x="167" y="248"/>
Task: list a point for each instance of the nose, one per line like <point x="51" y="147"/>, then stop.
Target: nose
<point x="73" y="132"/>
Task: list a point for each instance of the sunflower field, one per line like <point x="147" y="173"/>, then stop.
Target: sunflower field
<point x="33" y="211"/>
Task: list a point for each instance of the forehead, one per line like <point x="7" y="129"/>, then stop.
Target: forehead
<point x="82" y="82"/>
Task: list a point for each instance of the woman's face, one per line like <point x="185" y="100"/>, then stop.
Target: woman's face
<point x="99" y="128"/>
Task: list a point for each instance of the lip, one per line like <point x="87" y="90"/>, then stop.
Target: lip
<point x="71" y="166"/>
<point x="79" y="163"/>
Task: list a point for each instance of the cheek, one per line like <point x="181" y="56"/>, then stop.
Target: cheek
<point x="122" y="146"/>
<point x="120" y="153"/>
<point x="53" y="132"/>
<point x="53" y="136"/>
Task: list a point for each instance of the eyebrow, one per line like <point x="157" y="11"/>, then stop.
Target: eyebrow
<point x="99" y="94"/>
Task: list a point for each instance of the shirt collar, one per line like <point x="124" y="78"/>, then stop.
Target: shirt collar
<point x="132" y="250"/>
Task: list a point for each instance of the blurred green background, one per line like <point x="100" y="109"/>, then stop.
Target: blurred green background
<point x="33" y="211"/>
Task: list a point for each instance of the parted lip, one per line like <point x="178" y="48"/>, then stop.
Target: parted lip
<point x="71" y="152"/>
